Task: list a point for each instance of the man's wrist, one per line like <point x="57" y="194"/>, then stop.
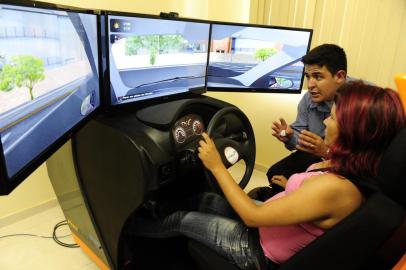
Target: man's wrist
<point x="326" y="154"/>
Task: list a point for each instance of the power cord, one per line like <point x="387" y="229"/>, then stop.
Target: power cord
<point x="59" y="242"/>
<point x="54" y="236"/>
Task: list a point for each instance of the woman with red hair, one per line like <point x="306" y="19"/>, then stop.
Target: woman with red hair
<point x="368" y="118"/>
<point x="363" y="121"/>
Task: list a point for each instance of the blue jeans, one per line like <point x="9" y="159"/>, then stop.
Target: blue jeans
<point x="213" y="223"/>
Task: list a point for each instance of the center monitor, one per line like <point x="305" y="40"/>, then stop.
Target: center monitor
<point x="151" y="57"/>
<point x="257" y="58"/>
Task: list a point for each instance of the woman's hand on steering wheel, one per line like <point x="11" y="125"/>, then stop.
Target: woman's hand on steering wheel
<point x="209" y="154"/>
<point x="223" y="127"/>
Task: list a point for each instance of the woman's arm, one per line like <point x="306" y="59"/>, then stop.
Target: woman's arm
<point x="325" y="198"/>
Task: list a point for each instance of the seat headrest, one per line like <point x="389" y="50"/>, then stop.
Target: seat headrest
<point x="392" y="170"/>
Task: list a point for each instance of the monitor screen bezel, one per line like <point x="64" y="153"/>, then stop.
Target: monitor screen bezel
<point x="106" y="67"/>
<point x="252" y="89"/>
<point x="8" y="184"/>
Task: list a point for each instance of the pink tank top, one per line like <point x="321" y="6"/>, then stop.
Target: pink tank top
<point x="281" y="242"/>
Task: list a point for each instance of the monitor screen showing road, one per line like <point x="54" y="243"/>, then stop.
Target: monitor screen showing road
<point x="244" y="57"/>
<point x="48" y="79"/>
<point x="151" y="57"/>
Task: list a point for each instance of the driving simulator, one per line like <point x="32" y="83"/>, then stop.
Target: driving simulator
<point x="127" y="90"/>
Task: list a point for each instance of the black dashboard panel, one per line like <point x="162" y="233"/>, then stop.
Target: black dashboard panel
<point x="151" y="132"/>
<point x="164" y="115"/>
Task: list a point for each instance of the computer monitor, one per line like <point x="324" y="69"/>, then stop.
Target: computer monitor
<point x="49" y="83"/>
<point x="152" y="57"/>
<point x="256" y="58"/>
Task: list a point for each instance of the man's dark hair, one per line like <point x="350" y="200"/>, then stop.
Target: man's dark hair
<point x="329" y="55"/>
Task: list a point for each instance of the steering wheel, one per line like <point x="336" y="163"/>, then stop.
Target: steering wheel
<point x="234" y="138"/>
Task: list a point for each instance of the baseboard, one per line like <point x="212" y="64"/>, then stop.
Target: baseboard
<point x="8" y="220"/>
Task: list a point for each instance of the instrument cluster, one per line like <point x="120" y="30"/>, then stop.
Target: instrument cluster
<point x="187" y="128"/>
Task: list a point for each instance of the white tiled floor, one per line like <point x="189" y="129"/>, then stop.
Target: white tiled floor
<point x="25" y="252"/>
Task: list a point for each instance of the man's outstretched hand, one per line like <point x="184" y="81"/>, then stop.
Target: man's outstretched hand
<point x="281" y="130"/>
<point x="312" y="143"/>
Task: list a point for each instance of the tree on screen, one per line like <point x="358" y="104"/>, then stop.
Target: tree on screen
<point x="2" y="61"/>
<point x="264" y="53"/>
<point x="23" y="71"/>
<point x="153" y="44"/>
<point x="7" y="74"/>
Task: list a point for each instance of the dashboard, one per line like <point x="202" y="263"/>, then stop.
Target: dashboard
<point x="187" y="129"/>
<point x="167" y="136"/>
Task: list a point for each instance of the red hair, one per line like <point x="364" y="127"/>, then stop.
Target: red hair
<point x="368" y="118"/>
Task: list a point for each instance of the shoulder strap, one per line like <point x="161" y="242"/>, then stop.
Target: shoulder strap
<point x="320" y="170"/>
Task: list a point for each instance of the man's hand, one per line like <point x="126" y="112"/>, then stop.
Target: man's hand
<point x="312" y="143"/>
<point x="281" y="130"/>
<point x="279" y="180"/>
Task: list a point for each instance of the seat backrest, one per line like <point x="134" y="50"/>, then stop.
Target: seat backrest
<point x="392" y="172"/>
<point x="349" y="244"/>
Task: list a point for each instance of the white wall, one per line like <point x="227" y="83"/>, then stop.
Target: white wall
<point x="36" y="190"/>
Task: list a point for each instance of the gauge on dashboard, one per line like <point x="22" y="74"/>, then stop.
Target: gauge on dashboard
<point x="180" y="135"/>
<point x="187" y="128"/>
<point x="197" y="127"/>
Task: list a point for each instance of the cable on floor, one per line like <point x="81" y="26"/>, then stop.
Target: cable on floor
<point x="54" y="236"/>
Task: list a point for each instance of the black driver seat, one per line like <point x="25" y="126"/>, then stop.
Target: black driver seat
<point x="354" y="242"/>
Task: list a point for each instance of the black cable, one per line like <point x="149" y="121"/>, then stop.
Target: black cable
<point x="59" y="242"/>
<point x="54" y="236"/>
